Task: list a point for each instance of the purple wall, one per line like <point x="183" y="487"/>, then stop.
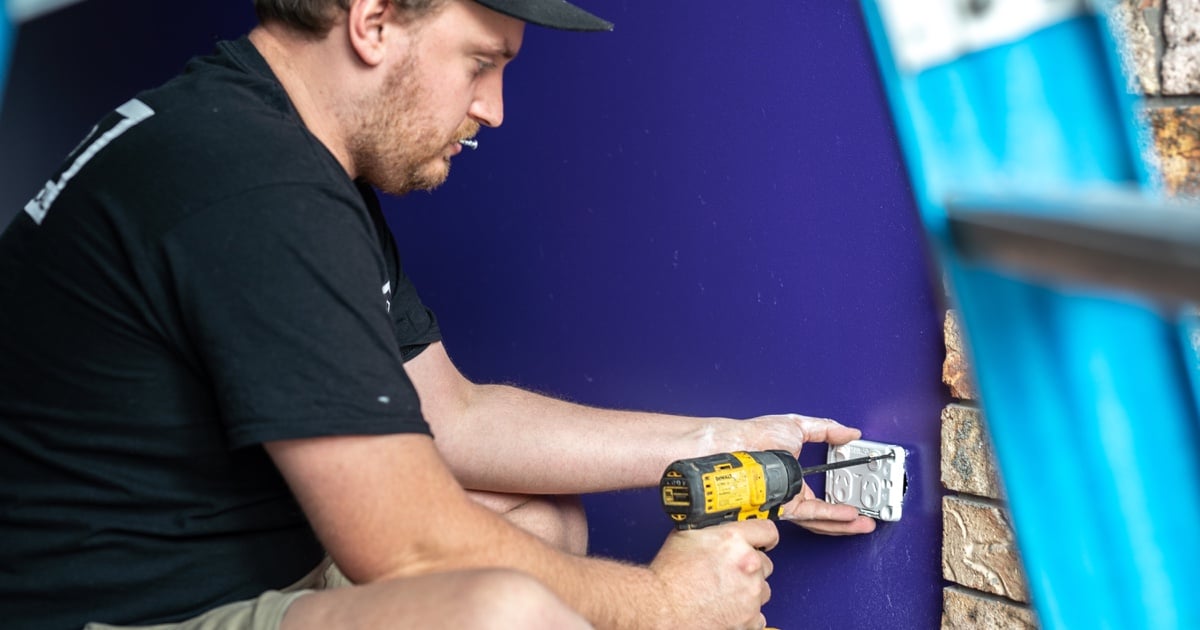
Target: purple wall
<point x="705" y="212"/>
<point x="702" y="212"/>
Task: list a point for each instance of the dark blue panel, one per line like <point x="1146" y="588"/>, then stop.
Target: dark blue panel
<point x="704" y="212"/>
<point x="72" y="66"/>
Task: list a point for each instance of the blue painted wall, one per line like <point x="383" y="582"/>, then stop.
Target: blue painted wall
<point x="703" y="212"/>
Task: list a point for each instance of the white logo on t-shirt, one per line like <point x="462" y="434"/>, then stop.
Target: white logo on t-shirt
<point x="132" y="113"/>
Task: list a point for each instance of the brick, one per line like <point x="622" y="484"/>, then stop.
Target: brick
<point x="1135" y="27"/>
<point x="968" y="610"/>
<point x="1181" y="41"/>
<point x="1176" y="132"/>
<point x="956" y="369"/>
<point x="968" y="463"/>
<point x="978" y="550"/>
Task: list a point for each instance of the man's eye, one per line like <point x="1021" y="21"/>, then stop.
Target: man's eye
<point x="483" y="65"/>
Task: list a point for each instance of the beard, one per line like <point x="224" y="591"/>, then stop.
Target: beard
<point x="397" y="146"/>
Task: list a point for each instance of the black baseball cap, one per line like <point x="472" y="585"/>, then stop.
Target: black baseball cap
<point x="549" y="13"/>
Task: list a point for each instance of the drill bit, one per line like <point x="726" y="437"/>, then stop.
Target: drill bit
<point x="812" y="470"/>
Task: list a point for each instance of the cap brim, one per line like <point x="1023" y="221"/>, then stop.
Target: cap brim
<point x="549" y="13"/>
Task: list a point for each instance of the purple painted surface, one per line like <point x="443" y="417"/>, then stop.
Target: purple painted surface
<point x="703" y="212"/>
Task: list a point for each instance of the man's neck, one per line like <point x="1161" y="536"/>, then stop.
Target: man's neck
<point x="306" y="69"/>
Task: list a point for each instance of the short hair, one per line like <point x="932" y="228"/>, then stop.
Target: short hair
<point x="316" y="17"/>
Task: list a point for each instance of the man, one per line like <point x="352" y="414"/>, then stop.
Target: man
<point x="215" y="372"/>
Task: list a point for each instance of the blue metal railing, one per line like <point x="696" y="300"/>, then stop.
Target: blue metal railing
<point x="6" y="45"/>
<point x="1087" y="389"/>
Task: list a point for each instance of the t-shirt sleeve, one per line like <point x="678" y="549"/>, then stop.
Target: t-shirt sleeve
<point x="282" y="291"/>
<point x="415" y="324"/>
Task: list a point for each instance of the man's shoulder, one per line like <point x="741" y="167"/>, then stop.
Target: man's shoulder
<point x="224" y="109"/>
<point x="221" y="135"/>
<point x="222" y="116"/>
<point x="213" y="133"/>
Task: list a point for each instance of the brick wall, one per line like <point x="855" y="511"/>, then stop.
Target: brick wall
<point x="1160" y="49"/>
<point x="979" y="554"/>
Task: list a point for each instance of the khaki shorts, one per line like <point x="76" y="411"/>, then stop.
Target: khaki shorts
<point x="264" y="612"/>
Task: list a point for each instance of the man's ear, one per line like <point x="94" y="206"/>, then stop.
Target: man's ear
<point x="365" y="25"/>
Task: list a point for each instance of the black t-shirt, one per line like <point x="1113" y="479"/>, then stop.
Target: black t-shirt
<point x="201" y="276"/>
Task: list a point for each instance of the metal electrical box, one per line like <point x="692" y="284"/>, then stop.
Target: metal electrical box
<point x="875" y="488"/>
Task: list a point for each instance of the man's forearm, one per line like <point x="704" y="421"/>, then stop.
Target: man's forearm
<point x="504" y="439"/>
<point x="578" y="448"/>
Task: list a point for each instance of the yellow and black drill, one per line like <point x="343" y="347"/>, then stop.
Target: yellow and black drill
<point x="737" y="486"/>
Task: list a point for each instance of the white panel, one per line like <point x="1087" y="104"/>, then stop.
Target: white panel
<point x="925" y="33"/>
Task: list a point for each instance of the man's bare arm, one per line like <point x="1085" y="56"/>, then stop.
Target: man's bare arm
<point x="504" y="439"/>
<point x="478" y="427"/>
<point x="387" y="507"/>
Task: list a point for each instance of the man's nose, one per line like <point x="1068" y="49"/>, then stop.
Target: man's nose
<point x="488" y="106"/>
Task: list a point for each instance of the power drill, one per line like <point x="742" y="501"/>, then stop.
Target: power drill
<point x="737" y="486"/>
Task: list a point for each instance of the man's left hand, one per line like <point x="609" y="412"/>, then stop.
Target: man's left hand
<point x="819" y="517"/>
<point x="790" y="432"/>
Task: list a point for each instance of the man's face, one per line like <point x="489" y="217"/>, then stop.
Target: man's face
<point x="444" y="84"/>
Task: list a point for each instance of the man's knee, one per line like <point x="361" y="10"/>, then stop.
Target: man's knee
<point x="483" y="599"/>
<point x="557" y="519"/>
<point x="503" y="599"/>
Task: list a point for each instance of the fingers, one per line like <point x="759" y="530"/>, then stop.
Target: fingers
<point x="860" y="525"/>
<point x="768" y="567"/>
<point x="853" y="527"/>
<point x="826" y="430"/>
<point x="724" y="572"/>
<point x="806" y="506"/>
<point x="785" y="432"/>
<point x="813" y="509"/>
<point x="760" y="534"/>
<point x="829" y="519"/>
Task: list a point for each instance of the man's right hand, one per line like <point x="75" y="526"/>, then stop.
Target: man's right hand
<point x="716" y="577"/>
